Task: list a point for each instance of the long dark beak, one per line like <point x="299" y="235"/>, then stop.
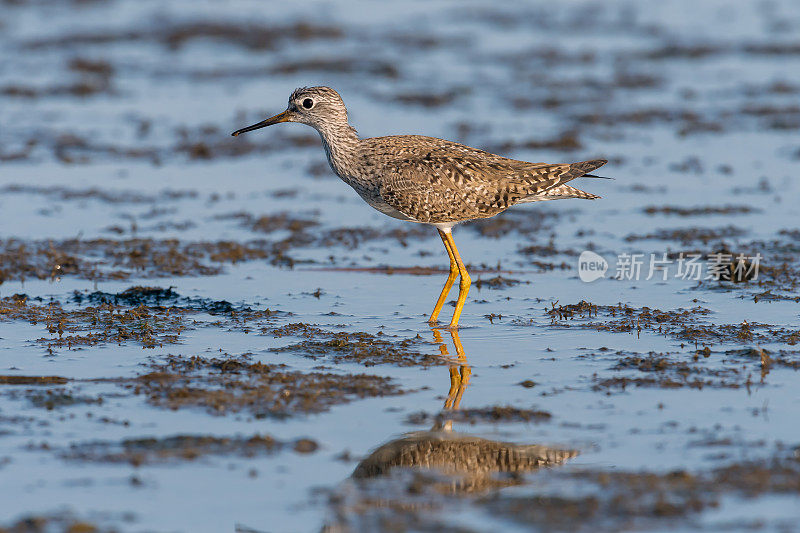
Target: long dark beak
<point x="286" y="116"/>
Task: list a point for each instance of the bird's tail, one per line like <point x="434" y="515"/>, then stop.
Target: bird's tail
<point x="565" y="191"/>
<point x="563" y="173"/>
<point x="577" y="170"/>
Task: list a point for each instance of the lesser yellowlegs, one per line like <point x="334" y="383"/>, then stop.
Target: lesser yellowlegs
<point x="425" y="179"/>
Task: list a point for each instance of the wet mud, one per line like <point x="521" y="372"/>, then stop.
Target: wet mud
<point x="138" y="452"/>
<point x="222" y="386"/>
<point x="188" y="316"/>
<point x="610" y="501"/>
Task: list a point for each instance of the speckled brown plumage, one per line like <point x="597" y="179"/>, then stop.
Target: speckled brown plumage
<point x="425" y="179"/>
<point x="436" y="181"/>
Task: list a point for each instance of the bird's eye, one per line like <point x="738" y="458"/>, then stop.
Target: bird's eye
<point x="308" y="103"/>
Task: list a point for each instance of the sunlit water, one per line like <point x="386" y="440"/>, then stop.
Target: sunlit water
<point x="480" y="53"/>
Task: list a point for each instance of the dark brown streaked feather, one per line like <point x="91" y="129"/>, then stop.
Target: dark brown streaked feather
<point x="437" y="181"/>
<point x="425" y="179"/>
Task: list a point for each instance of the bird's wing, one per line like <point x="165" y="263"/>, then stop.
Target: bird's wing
<point x="431" y="179"/>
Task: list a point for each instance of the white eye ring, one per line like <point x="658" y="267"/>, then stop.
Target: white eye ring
<point x="308" y="103"/>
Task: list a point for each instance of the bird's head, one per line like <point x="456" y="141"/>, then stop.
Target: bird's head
<point x="319" y="107"/>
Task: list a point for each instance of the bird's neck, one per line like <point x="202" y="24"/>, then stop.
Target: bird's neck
<point x="341" y="142"/>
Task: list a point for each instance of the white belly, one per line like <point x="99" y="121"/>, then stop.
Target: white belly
<point x="386" y="209"/>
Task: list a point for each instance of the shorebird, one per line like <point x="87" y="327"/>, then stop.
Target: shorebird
<point x="426" y="179"/>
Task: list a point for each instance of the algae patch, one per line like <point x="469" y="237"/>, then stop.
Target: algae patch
<point x="229" y="385"/>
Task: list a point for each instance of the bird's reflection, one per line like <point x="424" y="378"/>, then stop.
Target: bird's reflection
<point x="471" y="464"/>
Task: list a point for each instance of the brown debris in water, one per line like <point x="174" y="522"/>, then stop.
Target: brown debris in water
<point x="529" y="223"/>
<point x="682" y="324"/>
<point x="99" y="259"/>
<point x="360" y="347"/>
<point x="616" y="500"/>
<point x="768" y="358"/>
<point x="79" y="89"/>
<point x="55" y="398"/>
<point x="690" y="235"/>
<point x="497" y="282"/>
<point x="146" y="451"/>
<point x="663" y="382"/>
<point x="430" y="99"/>
<point x="65" y="522"/>
<point x="58" y="193"/>
<point x="778" y="267"/>
<point x="93" y="77"/>
<point x="547" y="250"/>
<point x="252" y="36"/>
<point x="699" y="211"/>
<point x="93" y="325"/>
<point x="609" y="500"/>
<point x="567" y="141"/>
<point x="149" y="316"/>
<point x="493" y="414"/>
<point x="370" y="67"/>
<point x="229" y="385"/>
<point x="32" y="380"/>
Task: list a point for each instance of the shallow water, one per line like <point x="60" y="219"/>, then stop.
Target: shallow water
<point x="115" y="128"/>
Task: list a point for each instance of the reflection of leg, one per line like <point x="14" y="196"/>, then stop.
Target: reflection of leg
<point x="463" y="286"/>
<point x="437" y="337"/>
<point x="463" y="381"/>
<point x="451" y="278"/>
<point x="458" y="346"/>
<point x="465" y="371"/>
<point x="455" y="386"/>
<point x="455" y="376"/>
<point x="459" y="375"/>
<point x="453" y="397"/>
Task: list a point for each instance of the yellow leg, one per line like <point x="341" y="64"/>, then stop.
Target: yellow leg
<point x="451" y="278"/>
<point x="463" y="286"/>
